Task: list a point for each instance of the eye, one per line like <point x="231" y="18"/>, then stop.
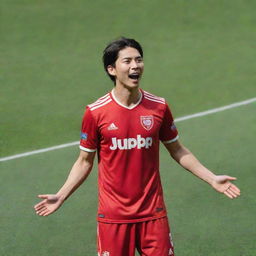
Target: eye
<point x="127" y="61"/>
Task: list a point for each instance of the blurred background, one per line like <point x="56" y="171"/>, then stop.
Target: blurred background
<point x="198" y="55"/>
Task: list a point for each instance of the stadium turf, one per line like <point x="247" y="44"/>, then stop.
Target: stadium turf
<point x="202" y="221"/>
<point x="198" y="55"/>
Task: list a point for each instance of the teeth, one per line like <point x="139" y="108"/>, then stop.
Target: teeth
<point x="134" y="76"/>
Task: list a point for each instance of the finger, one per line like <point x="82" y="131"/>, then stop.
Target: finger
<point x="43" y="211"/>
<point x="43" y="196"/>
<point x="235" y="188"/>
<point x="47" y="213"/>
<point x="40" y="204"/>
<point x="39" y="211"/>
<point x="231" y="178"/>
<point x="228" y="194"/>
<point x="38" y="208"/>
<point x="234" y="195"/>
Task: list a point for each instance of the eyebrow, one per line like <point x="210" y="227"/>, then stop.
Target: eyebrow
<point x="129" y="58"/>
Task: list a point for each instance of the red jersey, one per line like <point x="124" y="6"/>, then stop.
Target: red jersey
<point x="127" y="143"/>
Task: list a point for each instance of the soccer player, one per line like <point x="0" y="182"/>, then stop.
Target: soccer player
<point x="125" y="127"/>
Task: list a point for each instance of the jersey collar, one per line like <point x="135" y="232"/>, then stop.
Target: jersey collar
<point x="122" y="105"/>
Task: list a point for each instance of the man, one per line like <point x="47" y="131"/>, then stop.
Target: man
<point x="124" y="127"/>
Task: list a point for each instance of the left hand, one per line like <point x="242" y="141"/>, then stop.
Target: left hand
<point x="222" y="184"/>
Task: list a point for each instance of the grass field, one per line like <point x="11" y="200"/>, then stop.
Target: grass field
<point x="198" y="55"/>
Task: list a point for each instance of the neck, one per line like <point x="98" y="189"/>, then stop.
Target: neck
<point x="127" y="96"/>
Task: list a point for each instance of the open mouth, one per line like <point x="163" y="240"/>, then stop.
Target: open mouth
<point x="134" y="76"/>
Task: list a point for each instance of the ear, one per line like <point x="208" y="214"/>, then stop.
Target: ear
<point x="111" y="70"/>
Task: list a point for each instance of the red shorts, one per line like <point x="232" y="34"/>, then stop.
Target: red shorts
<point x="150" y="238"/>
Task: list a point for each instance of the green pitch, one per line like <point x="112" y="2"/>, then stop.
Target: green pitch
<point x="198" y="55"/>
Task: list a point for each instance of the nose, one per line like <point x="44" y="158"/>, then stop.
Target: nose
<point x="134" y="64"/>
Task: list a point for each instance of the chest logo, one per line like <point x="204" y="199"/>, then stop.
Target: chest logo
<point x="147" y="122"/>
<point x="112" y="126"/>
<point x="130" y="143"/>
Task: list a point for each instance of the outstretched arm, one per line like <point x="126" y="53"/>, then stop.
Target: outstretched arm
<point x="221" y="183"/>
<point x="79" y="172"/>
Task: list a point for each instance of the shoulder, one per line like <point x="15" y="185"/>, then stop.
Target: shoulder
<point x="100" y="103"/>
<point x="153" y="98"/>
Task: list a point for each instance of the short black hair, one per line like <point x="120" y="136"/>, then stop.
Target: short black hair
<point x="110" y="54"/>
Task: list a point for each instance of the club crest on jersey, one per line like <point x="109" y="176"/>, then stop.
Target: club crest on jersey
<point x="105" y="253"/>
<point x="147" y="122"/>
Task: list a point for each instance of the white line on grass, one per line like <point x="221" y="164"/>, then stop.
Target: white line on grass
<point x="39" y="151"/>
<point x="215" y="110"/>
<point x="179" y="119"/>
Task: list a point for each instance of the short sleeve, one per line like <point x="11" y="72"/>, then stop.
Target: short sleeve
<point x="168" y="131"/>
<point x="89" y="133"/>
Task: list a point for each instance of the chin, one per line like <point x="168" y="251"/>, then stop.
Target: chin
<point x="132" y="86"/>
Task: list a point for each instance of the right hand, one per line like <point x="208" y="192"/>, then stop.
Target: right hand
<point x="48" y="205"/>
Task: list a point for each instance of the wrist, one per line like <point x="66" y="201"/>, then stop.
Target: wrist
<point x="211" y="178"/>
<point x="61" y="197"/>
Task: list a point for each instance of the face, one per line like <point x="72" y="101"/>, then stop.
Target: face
<point x="128" y="68"/>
